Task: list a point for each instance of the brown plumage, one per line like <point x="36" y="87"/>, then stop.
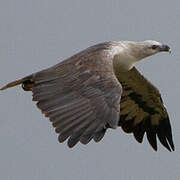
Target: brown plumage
<point x="142" y="110"/>
<point x="85" y="95"/>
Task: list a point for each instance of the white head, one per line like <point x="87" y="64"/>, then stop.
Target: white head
<point x="147" y="48"/>
<point x="131" y="52"/>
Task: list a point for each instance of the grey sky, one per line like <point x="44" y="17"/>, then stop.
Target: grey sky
<point x="36" y="34"/>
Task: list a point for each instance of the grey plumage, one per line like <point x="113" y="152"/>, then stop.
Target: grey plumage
<point x="85" y="106"/>
<point x="81" y="95"/>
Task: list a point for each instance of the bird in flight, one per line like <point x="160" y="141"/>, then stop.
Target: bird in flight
<point x="99" y="88"/>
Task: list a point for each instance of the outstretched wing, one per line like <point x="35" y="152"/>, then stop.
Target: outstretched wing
<point x="142" y="110"/>
<point x="80" y="98"/>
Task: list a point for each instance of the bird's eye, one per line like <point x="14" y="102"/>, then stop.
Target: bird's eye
<point x="154" y="46"/>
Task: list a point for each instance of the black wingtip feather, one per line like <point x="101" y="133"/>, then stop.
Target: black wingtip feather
<point x="169" y="134"/>
<point x="126" y="125"/>
<point x="164" y="134"/>
<point x="162" y="131"/>
<point x="151" y="133"/>
<point x="139" y="132"/>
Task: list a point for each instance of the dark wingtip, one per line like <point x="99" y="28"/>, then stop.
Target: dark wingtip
<point x="99" y="135"/>
<point x="164" y="134"/>
<point x="162" y="131"/>
<point x="151" y="132"/>
<point x="72" y="143"/>
<point x="172" y="147"/>
<point x="139" y="132"/>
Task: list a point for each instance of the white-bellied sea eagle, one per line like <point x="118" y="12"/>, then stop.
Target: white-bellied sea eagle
<point x="99" y="88"/>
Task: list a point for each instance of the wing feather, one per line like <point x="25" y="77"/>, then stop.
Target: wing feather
<point x="99" y="135"/>
<point x="142" y="110"/>
<point x="80" y="98"/>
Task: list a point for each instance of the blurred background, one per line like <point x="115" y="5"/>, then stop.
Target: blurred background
<point x="36" y="34"/>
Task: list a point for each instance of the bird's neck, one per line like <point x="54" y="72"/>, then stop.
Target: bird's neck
<point x="123" y="62"/>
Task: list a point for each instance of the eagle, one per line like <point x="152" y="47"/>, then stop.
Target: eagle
<point x="100" y="88"/>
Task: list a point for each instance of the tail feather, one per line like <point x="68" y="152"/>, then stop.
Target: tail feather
<point x="27" y="83"/>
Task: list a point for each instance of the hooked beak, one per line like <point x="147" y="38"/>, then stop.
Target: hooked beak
<point x="165" y="48"/>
